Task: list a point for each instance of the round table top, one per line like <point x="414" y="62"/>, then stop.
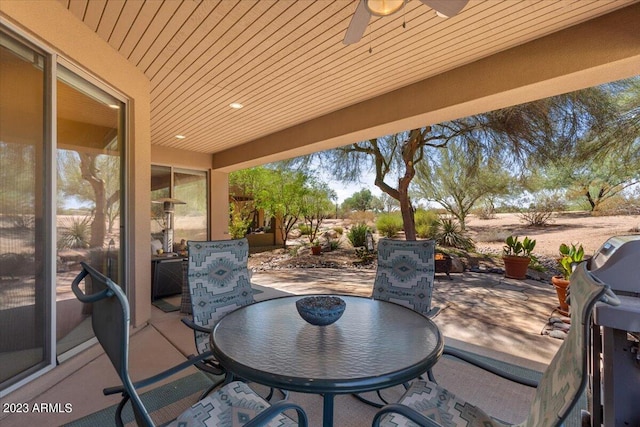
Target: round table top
<point x="375" y="344"/>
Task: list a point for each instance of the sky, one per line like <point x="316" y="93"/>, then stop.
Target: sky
<point x="344" y="190"/>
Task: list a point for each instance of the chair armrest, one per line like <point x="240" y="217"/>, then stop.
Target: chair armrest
<point x="490" y="368"/>
<point x="264" y="417"/>
<point x="161" y="376"/>
<point x="406" y="412"/>
<point x="193" y="326"/>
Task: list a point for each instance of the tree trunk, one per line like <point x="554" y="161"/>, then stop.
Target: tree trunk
<point x="408" y="218"/>
<point x="99" y="223"/>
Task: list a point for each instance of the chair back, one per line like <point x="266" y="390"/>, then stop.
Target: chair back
<point x="219" y="282"/>
<point x="405" y="273"/>
<point x="110" y="321"/>
<point x="565" y="378"/>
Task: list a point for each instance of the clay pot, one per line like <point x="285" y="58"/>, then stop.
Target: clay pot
<point x="561" y="284"/>
<point x="316" y="250"/>
<point x="515" y="267"/>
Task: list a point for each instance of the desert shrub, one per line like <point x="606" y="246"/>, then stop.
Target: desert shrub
<point x="338" y="230"/>
<point x="540" y="211"/>
<point x="305" y="229"/>
<point x="75" y="233"/>
<point x="486" y="210"/>
<point x="357" y="235"/>
<point x="365" y="217"/>
<point x="334" y="244"/>
<point x="293" y="250"/>
<point x="24" y="222"/>
<point x="450" y="234"/>
<point x="426" y="223"/>
<point x="238" y="225"/>
<point x="536" y="218"/>
<point x="617" y="205"/>
<point x="389" y="225"/>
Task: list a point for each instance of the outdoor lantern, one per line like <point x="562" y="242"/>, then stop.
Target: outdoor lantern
<point x="168" y="208"/>
<point x="384" y="7"/>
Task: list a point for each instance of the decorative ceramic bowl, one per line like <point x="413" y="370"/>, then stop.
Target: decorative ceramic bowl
<point x="321" y="310"/>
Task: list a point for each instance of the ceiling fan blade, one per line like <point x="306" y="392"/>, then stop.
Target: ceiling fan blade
<point x="448" y="8"/>
<point x="358" y="24"/>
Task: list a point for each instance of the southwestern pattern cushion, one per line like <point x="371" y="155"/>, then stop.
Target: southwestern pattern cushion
<point x="405" y="273"/>
<point x="560" y="386"/>
<point x="565" y="378"/>
<point x="438" y="404"/>
<point x="230" y="406"/>
<point x="219" y="282"/>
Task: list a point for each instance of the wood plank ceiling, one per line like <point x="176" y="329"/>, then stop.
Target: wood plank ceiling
<point x="284" y="60"/>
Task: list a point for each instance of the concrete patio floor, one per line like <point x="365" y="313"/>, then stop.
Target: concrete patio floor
<point x="483" y="313"/>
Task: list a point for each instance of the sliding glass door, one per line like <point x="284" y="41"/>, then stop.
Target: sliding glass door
<point x="89" y="187"/>
<point x="62" y="139"/>
<point x="24" y="283"/>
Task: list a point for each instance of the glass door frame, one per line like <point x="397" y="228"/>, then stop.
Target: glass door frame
<point x="51" y="60"/>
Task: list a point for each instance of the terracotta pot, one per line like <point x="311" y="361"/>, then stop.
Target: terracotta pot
<point x="316" y="250"/>
<point x="561" y="284"/>
<point x="515" y="267"/>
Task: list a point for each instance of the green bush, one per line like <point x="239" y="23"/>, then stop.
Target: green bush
<point x="389" y="224"/>
<point x="357" y="235"/>
<point x="334" y="244"/>
<point x="338" y="230"/>
<point x="305" y="230"/>
<point x="426" y="224"/>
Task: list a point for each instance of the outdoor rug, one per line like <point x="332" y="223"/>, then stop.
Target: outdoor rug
<point x="165" y="306"/>
<point x="500" y="398"/>
<point x="154" y="400"/>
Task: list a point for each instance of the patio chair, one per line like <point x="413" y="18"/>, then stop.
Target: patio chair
<point x="233" y="404"/>
<point x="218" y="279"/>
<point x="219" y="282"/>
<point x="404" y="275"/>
<point x="427" y="404"/>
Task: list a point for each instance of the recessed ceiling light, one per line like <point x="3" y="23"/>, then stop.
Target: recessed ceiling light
<point x="236" y="105"/>
<point x="180" y="136"/>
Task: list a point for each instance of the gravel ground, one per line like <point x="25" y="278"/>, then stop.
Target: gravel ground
<point x="489" y="235"/>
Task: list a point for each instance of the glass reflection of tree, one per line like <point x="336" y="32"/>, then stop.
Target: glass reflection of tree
<point x="102" y="172"/>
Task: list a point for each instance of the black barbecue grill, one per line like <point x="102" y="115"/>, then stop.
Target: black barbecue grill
<point x="615" y="356"/>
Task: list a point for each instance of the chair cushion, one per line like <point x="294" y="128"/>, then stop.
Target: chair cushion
<point x="230" y="406"/>
<point x="405" y="273"/>
<point x="219" y="282"/>
<point x="440" y="405"/>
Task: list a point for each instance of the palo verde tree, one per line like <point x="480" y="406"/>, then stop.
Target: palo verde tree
<point x="280" y="192"/>
<point x="317" y="205"/>
<point x="525" y="134"/>
<point x="457" y="180"/>
<point x="604" y="160"/>
<point x="361" y="200"/>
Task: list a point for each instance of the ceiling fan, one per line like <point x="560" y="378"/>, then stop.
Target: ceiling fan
<point x="368" y="8"/>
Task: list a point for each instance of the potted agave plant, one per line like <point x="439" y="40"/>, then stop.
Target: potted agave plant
<point x="570" y="256"/>
<point x="516" y="255"/>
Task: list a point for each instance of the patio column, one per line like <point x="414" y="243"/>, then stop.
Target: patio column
<point x="219" y="205"/>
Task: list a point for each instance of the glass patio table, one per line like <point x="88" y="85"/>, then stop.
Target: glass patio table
<point x="374" y="345"/>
